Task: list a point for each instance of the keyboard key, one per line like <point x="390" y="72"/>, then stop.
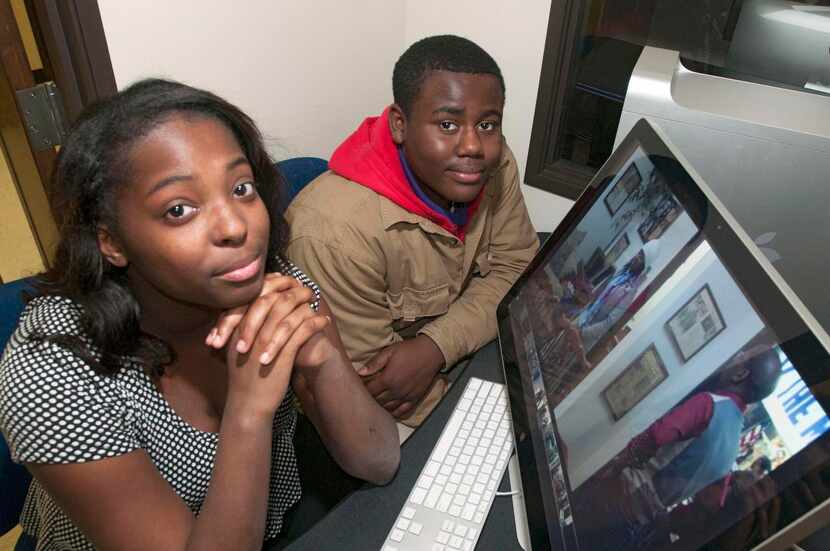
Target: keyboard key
<point x="418" y="495"/>
<point x="440" y="450"/>
<point x="444" y="502"/>
<point x="442" y="537"/>
<point x="468" y="512"/>
<point x="432" y="496"/>
<point x="448" y="526"/>
<point x="460" y="530"/>
<point x="403" y="524"/>
<point x="431" y="468"/>
<point x="455" y="542"/>
<point x="415" y="528"/>
<point x="467" y="545"/>
<point x="396" y="535"/>
<point x="408" y="512"/>
<point x="425" y="482"/>
<point x="455" y="510"/>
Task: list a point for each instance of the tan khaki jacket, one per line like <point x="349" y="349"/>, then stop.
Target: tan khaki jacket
<point x="389" y="274"/>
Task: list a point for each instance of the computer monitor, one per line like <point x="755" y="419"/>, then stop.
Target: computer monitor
<point x="782" y="41"/>
<point x="667" y="389"/>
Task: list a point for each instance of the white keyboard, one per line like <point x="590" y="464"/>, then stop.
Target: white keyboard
<point x="454" y="492"/>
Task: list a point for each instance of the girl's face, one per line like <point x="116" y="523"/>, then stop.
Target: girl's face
<point x="191" y="225"/>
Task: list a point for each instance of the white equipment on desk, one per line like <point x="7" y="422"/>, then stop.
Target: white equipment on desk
<point x="454" y="492"/>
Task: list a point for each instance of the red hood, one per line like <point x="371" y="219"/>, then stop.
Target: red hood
<point x="370" y="158"/>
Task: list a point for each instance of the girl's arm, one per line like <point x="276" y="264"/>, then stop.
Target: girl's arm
<point x="359" y="433"/>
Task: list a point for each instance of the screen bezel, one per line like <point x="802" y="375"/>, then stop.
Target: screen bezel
<point x="798" y="341"/>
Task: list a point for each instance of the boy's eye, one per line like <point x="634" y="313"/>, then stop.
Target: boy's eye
<point x="447" y="126"/>
<point x="488" y="126"/>
<point x="244" y="189"/>
<point x="179" y="211"/>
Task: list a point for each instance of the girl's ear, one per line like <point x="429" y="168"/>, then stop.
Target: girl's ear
<point x="397" y="124"/>
<point x="110" y="248"/>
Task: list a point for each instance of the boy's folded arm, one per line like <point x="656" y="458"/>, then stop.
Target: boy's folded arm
<point x="470" y="321"/>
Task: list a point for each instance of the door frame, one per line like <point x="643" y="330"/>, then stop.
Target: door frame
<point x="70" y="39"/>
<point x="72" y="34"/>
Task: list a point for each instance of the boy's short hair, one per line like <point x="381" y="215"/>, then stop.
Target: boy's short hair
<point x="438" y="53"/>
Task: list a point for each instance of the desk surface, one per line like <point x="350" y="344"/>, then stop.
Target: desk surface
<point x="363" y="519"/>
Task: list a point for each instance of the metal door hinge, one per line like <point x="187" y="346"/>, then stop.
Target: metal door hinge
<point x="43" y="116"/>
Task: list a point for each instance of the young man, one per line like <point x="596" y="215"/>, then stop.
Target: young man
<point x="420" y="227"/>
<point x="689" y="448"/>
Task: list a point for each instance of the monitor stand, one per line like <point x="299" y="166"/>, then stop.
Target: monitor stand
<point x="519" y="511"/>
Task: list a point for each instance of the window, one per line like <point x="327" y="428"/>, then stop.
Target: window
<point x="593" y="45"/>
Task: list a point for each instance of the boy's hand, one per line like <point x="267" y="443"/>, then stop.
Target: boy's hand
<point x="400" y="374"/>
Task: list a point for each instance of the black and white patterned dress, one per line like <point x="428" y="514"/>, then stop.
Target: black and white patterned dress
<point x="55" y="409"/>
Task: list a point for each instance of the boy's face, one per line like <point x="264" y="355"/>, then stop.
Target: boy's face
<point x="452" y="137"/>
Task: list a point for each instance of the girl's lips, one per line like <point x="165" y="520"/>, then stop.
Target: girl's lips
<point x="244" y="273"/>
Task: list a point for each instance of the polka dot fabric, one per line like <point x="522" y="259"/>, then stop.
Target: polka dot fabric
<point x="55" y="409"/>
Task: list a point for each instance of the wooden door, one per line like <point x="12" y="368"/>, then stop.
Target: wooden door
<point x="60" y="42"/>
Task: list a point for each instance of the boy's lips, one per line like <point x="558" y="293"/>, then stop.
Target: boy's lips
<point x="242" y="272"/>
<point x="465" y="177"/>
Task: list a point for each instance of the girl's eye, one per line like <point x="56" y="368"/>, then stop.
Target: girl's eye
<point x="447" y="126"/>
<point x="244" y="189"/>
<point x="179" y="211"/>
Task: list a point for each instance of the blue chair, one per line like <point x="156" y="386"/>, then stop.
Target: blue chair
<point x="14" y="478"/>
<point x="298" y="172"/>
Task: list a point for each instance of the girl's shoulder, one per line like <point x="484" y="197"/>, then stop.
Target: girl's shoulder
<point x="47" y="388"/>
<point x="48" y="316"/>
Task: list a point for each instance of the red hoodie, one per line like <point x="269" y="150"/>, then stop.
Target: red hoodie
<point x="369" y="157"/>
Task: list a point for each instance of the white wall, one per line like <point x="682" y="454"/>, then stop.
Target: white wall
<point x="308" y="72"/>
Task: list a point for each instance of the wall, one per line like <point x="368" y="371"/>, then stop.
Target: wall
<point x="19" y="254"/>
<point x="309" y="72"/>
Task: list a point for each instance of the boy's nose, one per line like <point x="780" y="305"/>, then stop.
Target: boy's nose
<point x="469" y="143"/>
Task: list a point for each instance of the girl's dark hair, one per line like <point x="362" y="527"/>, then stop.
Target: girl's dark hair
<point x="91" y="167"/>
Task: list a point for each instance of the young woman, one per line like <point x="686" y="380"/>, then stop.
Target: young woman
<point x="150" y="386"/>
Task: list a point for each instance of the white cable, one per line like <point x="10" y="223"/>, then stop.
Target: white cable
<point x="502" y="494"/>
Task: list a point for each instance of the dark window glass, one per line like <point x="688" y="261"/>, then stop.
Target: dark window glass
<point x="776" y="42"/>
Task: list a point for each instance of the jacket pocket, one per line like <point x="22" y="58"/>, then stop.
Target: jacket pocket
<point x="411" y="304"/>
